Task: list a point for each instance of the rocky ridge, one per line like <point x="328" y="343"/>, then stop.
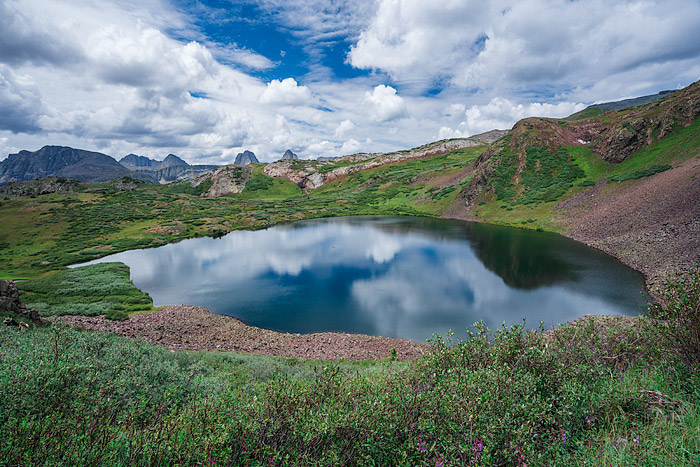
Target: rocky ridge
<point x="309" y="175"/>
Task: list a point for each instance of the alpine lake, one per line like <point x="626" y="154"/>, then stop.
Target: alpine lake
<point x="405" y="277"/>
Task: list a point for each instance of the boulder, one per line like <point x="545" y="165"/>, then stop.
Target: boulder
<point x="10" y="302"/>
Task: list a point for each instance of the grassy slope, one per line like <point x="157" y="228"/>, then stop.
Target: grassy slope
<point x="668" y="152"/>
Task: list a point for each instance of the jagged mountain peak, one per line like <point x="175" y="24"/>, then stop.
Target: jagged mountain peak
<point x="289" y="155"/>
<point x="246" y="157"/>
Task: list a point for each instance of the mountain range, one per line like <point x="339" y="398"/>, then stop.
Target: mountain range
<point x="132" y="160"/>
<point x="170" y="169"/>
<point x="94" y="167"/>
<point x="61" y="161"/>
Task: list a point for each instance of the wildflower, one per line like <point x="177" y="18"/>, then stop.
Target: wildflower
<point x="636" y="440"/>
<point x="563" y="436"/>
<point x="477" y="448"/>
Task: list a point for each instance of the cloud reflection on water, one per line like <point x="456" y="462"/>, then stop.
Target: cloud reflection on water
<point x="399" y="277"/>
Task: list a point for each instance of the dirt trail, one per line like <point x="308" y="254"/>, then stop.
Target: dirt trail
<point x="195" y="328"/>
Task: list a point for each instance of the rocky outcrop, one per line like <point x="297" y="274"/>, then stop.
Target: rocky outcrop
<point x="224" y="180"/>
<point x="628" y="132"/>
<point x="126" y="183"/>
<point x="10" y="302"/>
<point x="245" y="157"/>
<point x="289" y="155"/>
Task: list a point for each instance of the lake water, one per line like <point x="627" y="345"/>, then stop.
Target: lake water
<point x="402" y="277"/>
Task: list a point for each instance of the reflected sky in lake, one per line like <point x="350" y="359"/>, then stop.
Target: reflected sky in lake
<point x="390" y="276"/>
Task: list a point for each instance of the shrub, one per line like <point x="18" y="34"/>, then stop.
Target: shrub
<point x="87" y="291"/>
<point x="646" y="172"/>
<point x="678" y="317"/>
<point x="116" y="315"/>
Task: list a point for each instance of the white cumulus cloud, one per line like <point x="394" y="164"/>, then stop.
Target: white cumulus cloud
<point x="287" y="92"/>
<point x="344" y="128"/>
<point x="384" y="104"/>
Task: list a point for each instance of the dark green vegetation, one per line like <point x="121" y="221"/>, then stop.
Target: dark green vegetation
<point x="99" y="289"/>
<point x="646" y="172"/>
<point x="546" y="177"/>
<point x="584" y="396"/>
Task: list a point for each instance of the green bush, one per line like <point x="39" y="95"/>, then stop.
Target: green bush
<point x="503" y="397"/>
<point x="92" y="290"/>
<point x="546" y="177"/>
<point x="116" y="315"/>
<point x="677" y="318"/>
<point x="646" y="172"/>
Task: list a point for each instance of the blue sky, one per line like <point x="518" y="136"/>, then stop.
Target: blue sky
<point x="206" y="79"/>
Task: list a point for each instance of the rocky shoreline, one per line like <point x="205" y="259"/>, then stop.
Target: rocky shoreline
<point x="184" y="327"/>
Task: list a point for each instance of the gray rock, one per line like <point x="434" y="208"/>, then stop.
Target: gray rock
<point x="10" y="302"/>
<point x="289" y="155"/>
<point x="246" y="157"/>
